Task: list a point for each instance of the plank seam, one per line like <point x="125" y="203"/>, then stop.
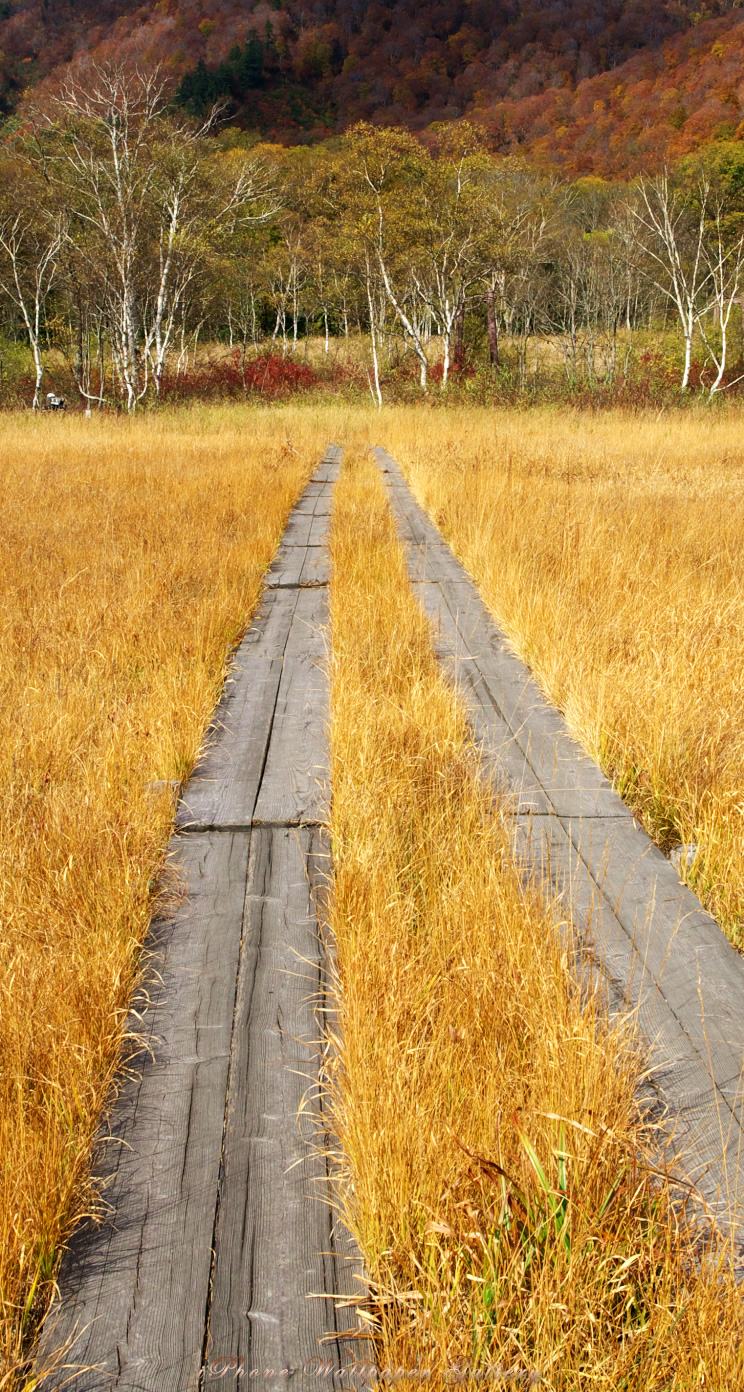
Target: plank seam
<point x="249" y="826"/>
<point x="220" y="1171"/>
<point x="253" y="823"/>
<point x="299" y="584"/>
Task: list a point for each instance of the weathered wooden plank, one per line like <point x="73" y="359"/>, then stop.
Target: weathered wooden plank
<point x="545" y="767"/>
<point x="274" y="1273"/>
<point x="135" y="1289"/>
<point x="431" y="558"/>
<point x="286" y="568"/>
<point x="294" y="785"/>
<point x="224" y="787"/>
<point x="661" y="956"/>
<point x="566" y="773"/>
<point x="687" y="954"/>
<point x="699" y="1084"/>
<point x="704" y="1110"/>
<point x="266" y="637"/>
<point x="307" y="636"/>
<point x="320" y="530"/>
<point x="553" y="759"/>
<point x="297" y="531"/>
<point x="425" y="562"/>
<point x="316" y="567"/>
<point x="574" y="784"/>
<point x="142" y="1297"/>
<point x="507" y="766"/>
<point x="308" y="565"/>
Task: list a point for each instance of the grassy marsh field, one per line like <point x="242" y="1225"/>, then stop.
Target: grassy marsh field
<point x="131" y="560"/>
<point x="487" y="1113"/>
<point x="610" y="549"/>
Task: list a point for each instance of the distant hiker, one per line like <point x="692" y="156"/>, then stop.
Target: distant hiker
<point x="55" y="403"/>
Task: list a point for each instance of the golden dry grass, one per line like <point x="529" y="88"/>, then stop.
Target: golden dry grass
<point x="611" y="550"/>
<point x="131" y="557"/>
<point x="485" y="1112"/>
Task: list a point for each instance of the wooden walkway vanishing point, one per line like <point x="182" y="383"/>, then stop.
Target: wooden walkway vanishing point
<point x="661" y="955"/>
<point x="221" y="1244"/>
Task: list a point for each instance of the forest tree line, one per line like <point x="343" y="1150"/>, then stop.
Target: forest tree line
<point x="130" y="232"/>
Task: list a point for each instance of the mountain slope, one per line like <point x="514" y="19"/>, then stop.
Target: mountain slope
<point x="593" y="85"/>
<point x="653" y="109"/>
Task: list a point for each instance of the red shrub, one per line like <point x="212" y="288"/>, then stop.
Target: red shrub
<point x="268" y="375"/>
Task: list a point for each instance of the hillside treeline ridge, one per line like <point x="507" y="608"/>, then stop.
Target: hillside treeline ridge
<point x="594" y="86"/>
<point x="128" y="233"/>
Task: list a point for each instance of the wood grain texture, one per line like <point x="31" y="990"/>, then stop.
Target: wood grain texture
<point x="298" y="530"/>
<point x="659" y="953"/>
<point x="276" y="1266"/>
<point x="320" y="530"/>
<point x="221" y="1232"/>
<point x="294" y="784"/>
<point x="135" y="1290"/>
<point x="224" y="787"/>
<point x="316" y="567"/>
<point x="286" y="568"/>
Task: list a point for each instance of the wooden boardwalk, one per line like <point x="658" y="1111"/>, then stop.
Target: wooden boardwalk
<point x="662" y="956"/>
<point x="221" y="1253"/>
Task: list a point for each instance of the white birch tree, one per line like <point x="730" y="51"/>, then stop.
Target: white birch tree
<point x="31" y="243"/>
<point x="672" y="234"/>
<point x="151" y="198"/>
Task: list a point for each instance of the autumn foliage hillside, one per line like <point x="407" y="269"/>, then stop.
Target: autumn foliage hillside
<point x="656" y="107"/>
<point x="594" y="86"/>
